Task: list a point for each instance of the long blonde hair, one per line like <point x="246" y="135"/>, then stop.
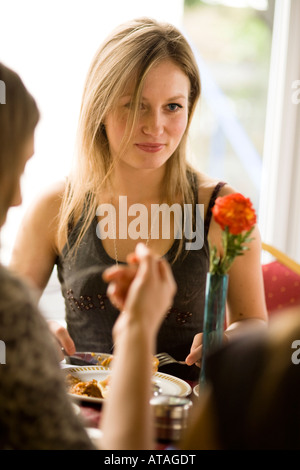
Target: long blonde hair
<point x="125" y="57"/>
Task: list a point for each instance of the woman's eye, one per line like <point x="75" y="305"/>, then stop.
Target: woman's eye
<point x="128" y="105"/>
<point x="174" y="107"/>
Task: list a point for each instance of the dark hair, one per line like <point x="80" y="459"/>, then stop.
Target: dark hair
<point x="19" y="116"/>
<point x="255" y="388"/>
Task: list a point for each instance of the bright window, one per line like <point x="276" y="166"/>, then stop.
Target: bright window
<point x="233" y="45"/>
<point x="50" y="43"/>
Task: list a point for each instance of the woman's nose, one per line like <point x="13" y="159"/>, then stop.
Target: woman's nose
<point x="153" y="123"/>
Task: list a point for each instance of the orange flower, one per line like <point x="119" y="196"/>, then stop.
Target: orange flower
<point x="236" y="216"/>
<point x="235" y="212"/>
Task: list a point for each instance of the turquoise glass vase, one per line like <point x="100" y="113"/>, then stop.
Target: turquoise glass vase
<point x="214" y="317"/>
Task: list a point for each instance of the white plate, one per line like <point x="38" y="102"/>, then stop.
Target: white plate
<point x="169" y="384"/>
<point x="96" y="357"/>
<point x="95" y="435"/>
<point x="196" y="390"/>
<point x="76" y="408"/>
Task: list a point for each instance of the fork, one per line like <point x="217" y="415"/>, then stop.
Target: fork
<point x="165" y="358"/>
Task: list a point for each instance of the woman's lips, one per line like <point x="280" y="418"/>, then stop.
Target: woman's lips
<point x="151" y="148"/>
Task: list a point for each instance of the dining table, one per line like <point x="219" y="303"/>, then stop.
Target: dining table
<point x="90" y="412"/>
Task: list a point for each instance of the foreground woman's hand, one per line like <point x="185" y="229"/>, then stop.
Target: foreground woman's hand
<point x="143" y="290"/>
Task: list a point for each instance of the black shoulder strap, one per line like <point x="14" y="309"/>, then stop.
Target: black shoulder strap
<point x="212" y="200"/>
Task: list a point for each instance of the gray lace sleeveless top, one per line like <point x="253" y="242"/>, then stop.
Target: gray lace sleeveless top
<point x="90" y="316"/>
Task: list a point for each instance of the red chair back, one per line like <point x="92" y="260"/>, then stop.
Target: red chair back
<point x="282" y="287"/>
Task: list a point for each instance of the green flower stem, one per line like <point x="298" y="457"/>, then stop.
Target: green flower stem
<point x="214" y="316"/>
<point x="233" y="245"/>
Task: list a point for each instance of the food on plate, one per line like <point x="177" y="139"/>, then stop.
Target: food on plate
<point x="155" y="364"/>
<point x="99" y="388"/>
<point x="96" y="388"/>
<point x="92" y="388"/>
<point x="71" y="380"/>
<point x="106" y="362"/>
<point x="104" y="386"/>
<point x="87" y="389"/>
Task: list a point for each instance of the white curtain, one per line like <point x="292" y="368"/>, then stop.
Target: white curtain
<point x="280" y="189"/>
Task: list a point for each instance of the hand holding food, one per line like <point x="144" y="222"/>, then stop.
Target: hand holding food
<point x="143" y="290"/>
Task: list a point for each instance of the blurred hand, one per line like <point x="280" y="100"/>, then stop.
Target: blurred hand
<point x="195" y="355"/>
<point x="143" y="290"/>
<point x="63" y="338"/>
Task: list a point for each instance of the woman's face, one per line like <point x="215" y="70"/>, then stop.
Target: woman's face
<point x="11" y="181"/>
<point x="162" y="120"/>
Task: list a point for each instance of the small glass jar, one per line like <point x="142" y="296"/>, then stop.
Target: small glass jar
<point x="170" y="416"/>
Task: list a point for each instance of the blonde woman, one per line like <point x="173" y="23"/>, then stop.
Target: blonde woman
<point x="35" y="411"/>
<point x="138" y="102"/>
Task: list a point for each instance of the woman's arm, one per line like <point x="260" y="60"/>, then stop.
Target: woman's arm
<point x="35" y="248"/>
<point x="245" y="298"/>
<point x="145" y="295"/>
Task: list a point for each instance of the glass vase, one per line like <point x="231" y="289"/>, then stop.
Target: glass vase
<point x="214" y="317"/>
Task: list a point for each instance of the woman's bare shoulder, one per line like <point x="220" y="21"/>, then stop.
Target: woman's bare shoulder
<point x="48" y="202"/>
<point x="53" y="192"/>
<point x="35" y="247"/>
<point x="42" y="216"/>
<point x="206" y="186"/>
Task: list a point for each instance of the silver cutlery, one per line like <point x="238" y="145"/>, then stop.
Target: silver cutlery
<point x="80" y="359"/>
<point x="165" y="358"/>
